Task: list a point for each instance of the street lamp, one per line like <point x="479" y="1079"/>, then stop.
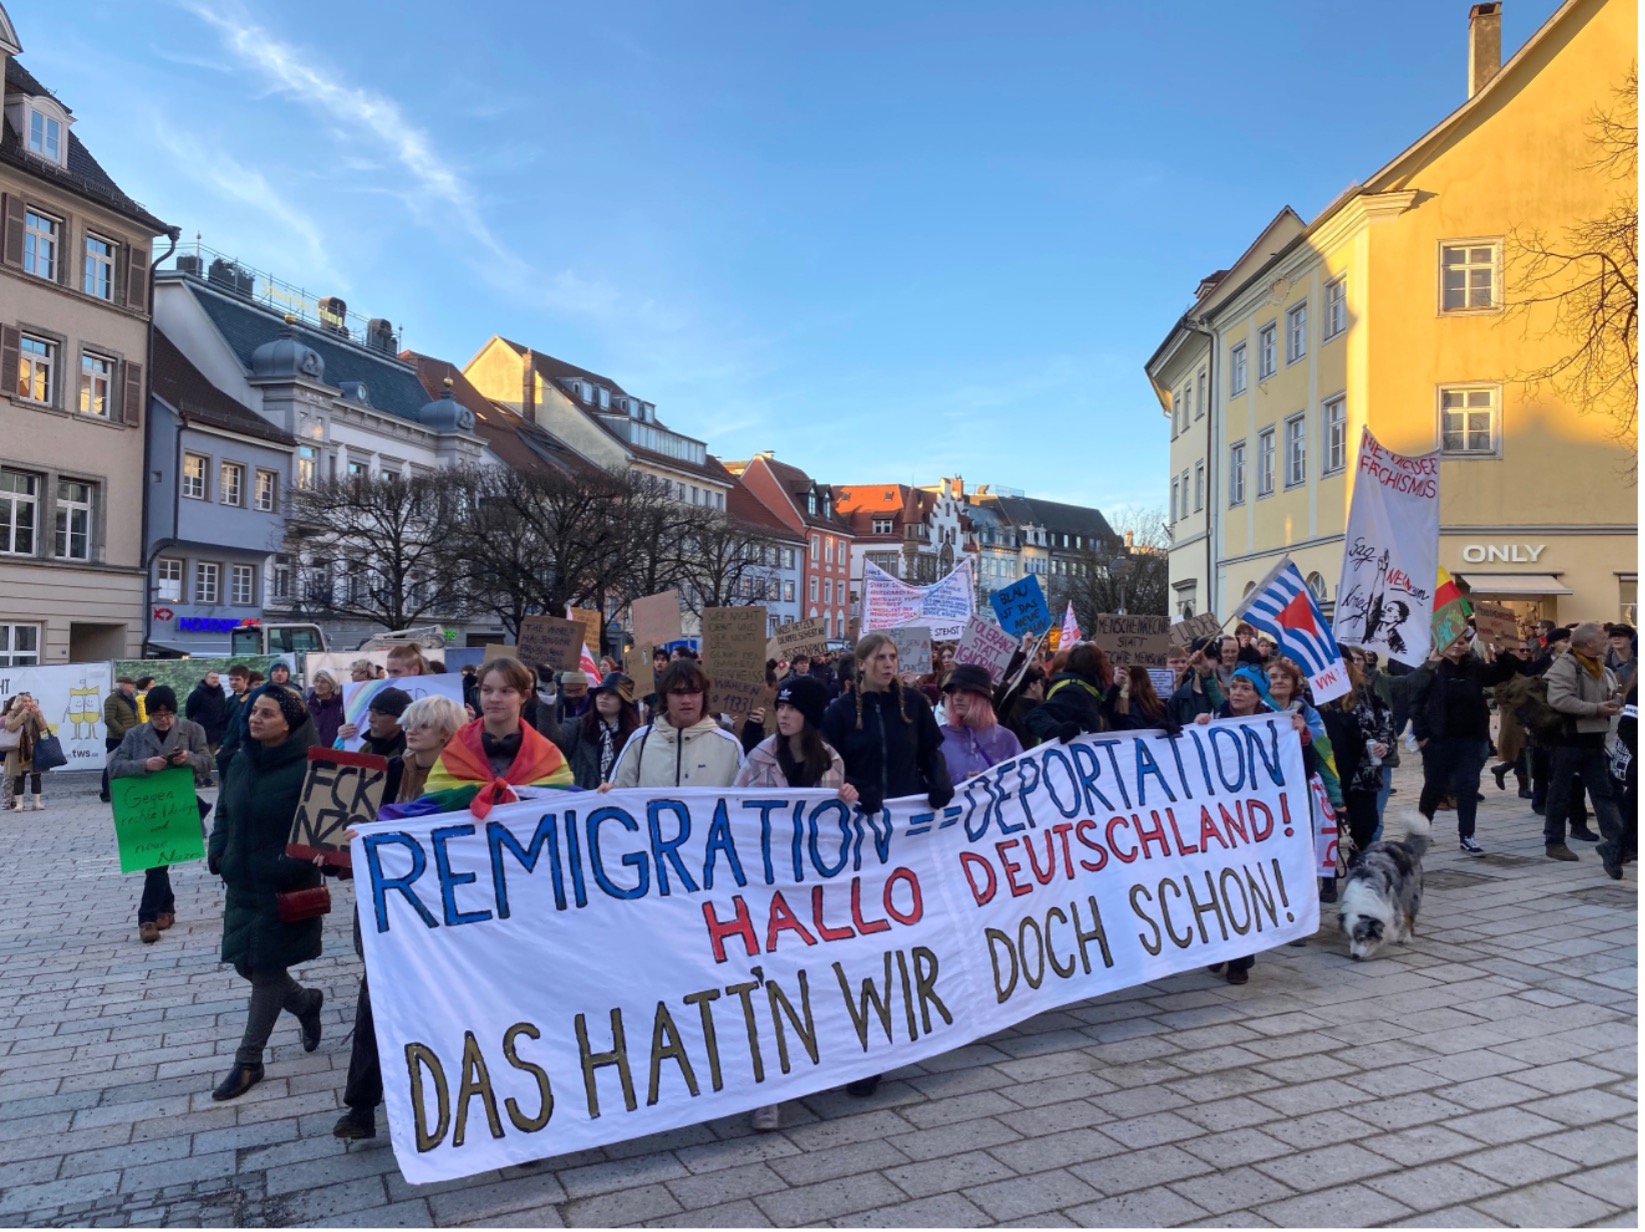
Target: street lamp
<point x="1118" y="568"/>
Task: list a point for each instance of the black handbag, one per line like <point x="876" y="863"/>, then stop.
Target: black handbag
<point x="48" y="753"/>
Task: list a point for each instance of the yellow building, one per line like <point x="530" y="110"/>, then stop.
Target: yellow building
<point x="1406" y="306"/>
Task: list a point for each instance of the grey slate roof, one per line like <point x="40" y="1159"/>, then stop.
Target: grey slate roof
<point x="185" y="388"/>
<point x="84" y="175"/>
<point x="1055" y="516"/>
<point x="391" y="385"/>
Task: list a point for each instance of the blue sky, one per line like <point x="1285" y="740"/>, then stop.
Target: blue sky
<point x="889" y="241"/>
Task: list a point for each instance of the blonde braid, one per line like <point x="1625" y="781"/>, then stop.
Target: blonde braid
<point x="902" y="705"/>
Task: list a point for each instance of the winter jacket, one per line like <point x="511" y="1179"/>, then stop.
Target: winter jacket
<point x="762" y="769"/>
<point x="119" y="715"/>
<point x="1572" y="690"/>
<point x="584" y="755"/>
<point x="327" y="713"/>
<point x="1369" y="721"/>
<point x="970" y="750"/>
<point x="662" y="755"/>
<point x="235" y="729"/>
<point x="1129" y="719"/>
<point x="21" y="759"/>
<point x="143" y="742"/>
<point x="1450" y="702"/>
<point x="886" y="757"/>
<point x="209" y="708"/>
<point x="1069" y="699"/>
<point x="1188" y="700"/>
<point x="248" y="850"/>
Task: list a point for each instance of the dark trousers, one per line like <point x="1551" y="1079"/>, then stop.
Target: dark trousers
<point x="1593" y="768"/>
<point x="1451" y="766"/>
<point x="1362" y="817"/>
<point x="364" y="1089"/>
<point x="157" y="896"/>
<point x="110" y="743"/>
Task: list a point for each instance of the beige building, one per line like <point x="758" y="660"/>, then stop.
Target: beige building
<point x="74" y="353"/>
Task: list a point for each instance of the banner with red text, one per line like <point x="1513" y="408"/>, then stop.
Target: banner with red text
<point x="888" y="602"/>
<point x="1390" y="554"/>
<point x="579" y="969"/>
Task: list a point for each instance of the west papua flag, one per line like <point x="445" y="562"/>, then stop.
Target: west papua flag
<point x="1070" y="627"/>
<point x="1282" y="606"/>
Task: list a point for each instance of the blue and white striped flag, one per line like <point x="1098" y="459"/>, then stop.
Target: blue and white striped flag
<point x="1282" y="606"/>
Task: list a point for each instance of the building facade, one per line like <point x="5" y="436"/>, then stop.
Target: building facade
<point x="74" y="340"/>
<point x="807" y="509"/>
<point x="777" y="584"/>
<point x="1406" y="307"/>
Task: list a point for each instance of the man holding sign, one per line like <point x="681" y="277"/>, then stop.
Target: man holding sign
<point x="164" y="743"/>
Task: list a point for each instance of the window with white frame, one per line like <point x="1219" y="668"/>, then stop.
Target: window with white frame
<point x="828" y="590"/>
<point x="194" y="476"/>
<point x="1296" y="450"/>
<point x="1185" y="491"/>
<point x="308" y="466"/>
<point x="1176" y="499"/>
<point x="42" y="235"/>
<point x="1199" y="486"/>
<point x="788" y="591"/>
<point x="97" y="278"/>
<point x="812" y="589"/>
<point x="46" y="136"/>
<point x="1236" y="474"/>
<point x="168" y="580"/>
<point x="1296" y="332"/>
<point x="73" y="518"/>
<point x="19" y="512"/>
<point x="1468" y="276"/>
<point x="37" y="370"/>
<point x="242" y="581"/>
<point x="1267" y="351"/>
<point x="1336" y="434"/>
<point x="1199" y="397"/>
<point x="206" y="578"/>
<point x="1336" y="309"/>
<point x="882" y="526"/>
<point x="280" y="579"/>
<point x="1265" y="463"/>
<point x="19" y="645"/>
<point x="1467" y="420"/>
<point x="816" y="549"/>
<point x="231" y="483"/>
<point x="96" y="384"/>
<point x="267" y="493"/>
<point x="1236" y="370"/>
<point x="828" y="549"/>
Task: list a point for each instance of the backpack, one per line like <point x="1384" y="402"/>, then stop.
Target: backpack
<point x="1527" y="696"/>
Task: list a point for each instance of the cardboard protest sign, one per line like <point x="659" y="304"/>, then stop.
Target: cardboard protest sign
<point x="734" y="656"/>
<point x="1189" y="628"/>
<point x="802" y="637"/>
<point x="645" y="908"/>
<point x="913" y="647"/>
<point x="590" y="620"/>
<point x="499" y="650"/>
<point x="637" y="667"/>
<point x="552" y="642"/>
<point x="655" y="619"/>
<point x="156" y="819"/>
<point x="1495" y="624"/>
<point x="340" y="791"/>
<point x="1133" y="641"/>
<point x="357" y="697"/>
<point x="1021" y="607"/>
<point x="988" y="646"/>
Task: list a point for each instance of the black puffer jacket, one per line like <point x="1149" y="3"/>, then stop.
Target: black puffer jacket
<point x="248" y="850"/>
<point x="887" y="758"/>
<point x="1069" y="700"/>
<point x="1451" y="702"/>
<point x="209" y="708"/>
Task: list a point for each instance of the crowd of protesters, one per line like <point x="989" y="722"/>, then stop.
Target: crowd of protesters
<point x="858" y="724"/>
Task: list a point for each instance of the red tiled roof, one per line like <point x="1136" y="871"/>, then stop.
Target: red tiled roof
<point x="743" y="506"/>
<point x="505" y="432"/>
<point x="186" y="389"/>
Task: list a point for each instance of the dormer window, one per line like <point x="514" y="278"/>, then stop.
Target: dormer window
<point x="828" y="504"/>
<point x="605" y="399"/>
<point x="47" y="129"/>
<point x="585" y="390"/>
<point x="811" y="502"/>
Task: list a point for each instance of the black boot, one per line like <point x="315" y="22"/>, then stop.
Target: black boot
<point x="309" y="1020"/>
<point x="356" y="1123"/>
<point x="1500" y="772"/>
<point x="863" y="1087"/>
<point x="240" y="1079"/>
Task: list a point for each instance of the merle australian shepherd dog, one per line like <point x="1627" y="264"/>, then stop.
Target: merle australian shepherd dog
<point x="1384" y="892"/>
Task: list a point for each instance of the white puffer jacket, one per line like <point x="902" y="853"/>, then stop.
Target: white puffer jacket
<point x="658" y="755"/>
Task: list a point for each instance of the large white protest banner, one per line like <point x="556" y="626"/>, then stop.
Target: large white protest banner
<point x="888" y="603"/>
<point x="578" y="969"/>
<point x="71" y="697"/>
<point x="1391" y="554"/>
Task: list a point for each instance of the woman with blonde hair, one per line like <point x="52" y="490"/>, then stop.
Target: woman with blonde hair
<point x="23" y="719"/>
<point x="325" y="708"/>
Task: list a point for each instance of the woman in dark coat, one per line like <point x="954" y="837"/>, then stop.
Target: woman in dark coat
<point x="593" y="742"/>
<point x="261" y="789"/>
<point x="1073" y="697"/>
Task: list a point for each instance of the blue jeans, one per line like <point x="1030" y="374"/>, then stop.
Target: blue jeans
<point x="1451" y="766"/>
<point x="1383" y="793"/>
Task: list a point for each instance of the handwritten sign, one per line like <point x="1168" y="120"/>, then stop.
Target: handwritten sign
<point x="341" y="790"/>
<point x="734" y="654"/>
<point x="637" y="667"/>
<point x="1496" y="625"/>
<point x="1190" y="628"/>
<point x="156" y="819"/>
<point x="888" y="602"/>
<point x="913" y="647"/>
<point x="550" y="641"/>
<point x="655" y="619"/>
<point x="590" y="620"/>
<point x="500" y="650"/>
<point x="1021" y="607"/>
<point x="1133" y="641"/>
<point x="987" y="645"/>
<point x="802" y="637"/>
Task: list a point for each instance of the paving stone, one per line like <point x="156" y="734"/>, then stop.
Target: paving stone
<point x="1233" y="1190"/>
<point x="633" y="1205"/>
<point x="919" y="1180"/>
<point x="1595" y="1144"/>
<point x="950" y="1139"/>
<point x="743" y="1214"/>
<point x="1418" y="1144"/>
<point x="1139" y="1169"/>
<point x="1236" y="1147"/>
<point x="1073" y="1146"/>
<point x="1550" y="1204"/>
<point x="829" y="1199"/>
<point x="1617" y="1184"/>
<point x="1159" y="1207"/>
<point x="1502" y="1125"/>
<point x="1582" y="1107"/>
<point x="1450" y="1217"/>
<point x="1435" y="1185"/>
<point x="1152" y="1130"/>
<point x="479" y="1202"/>
<point x="830" y="1162"/>
<point x="1346" y="1206"/>
<point x="938" y="1211"/>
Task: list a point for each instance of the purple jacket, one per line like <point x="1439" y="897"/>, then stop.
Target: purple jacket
<point x="969" y="751"/>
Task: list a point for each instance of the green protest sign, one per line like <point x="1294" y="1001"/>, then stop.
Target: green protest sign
<point x="156" y="819"/>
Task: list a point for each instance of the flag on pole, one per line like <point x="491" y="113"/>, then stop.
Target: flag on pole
<point x="588" y="666"/>
<point x="1451" y="610"/>
<point x="1070" y="627"/>
<point x="1282" y="606"/>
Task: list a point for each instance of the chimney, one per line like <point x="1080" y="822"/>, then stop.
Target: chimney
<point x="956" y="488"/>
<point x="1484" y="45"/>
<point x="528" y="388"/>
<point x="1130" y="539"/>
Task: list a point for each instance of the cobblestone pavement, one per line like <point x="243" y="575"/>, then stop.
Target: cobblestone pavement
<point x="1484" y="1075"/>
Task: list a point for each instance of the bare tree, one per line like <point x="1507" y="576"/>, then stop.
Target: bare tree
<point x="1133" y="579"/>
<point x="1582" y="286"/>
<point x="372" y="549"/>
<point x="730" y="563"/>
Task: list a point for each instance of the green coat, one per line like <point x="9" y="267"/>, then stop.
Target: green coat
<point x="248" y="848"/>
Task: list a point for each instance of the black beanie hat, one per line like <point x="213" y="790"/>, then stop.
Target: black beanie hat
<point x="808" y="696"/>
<point x="161" y="697"/>
<point x="290" y="703"/>
<point x="391" y="702"/>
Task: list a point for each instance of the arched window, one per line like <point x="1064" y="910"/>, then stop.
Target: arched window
<point x="1316" y="583"/>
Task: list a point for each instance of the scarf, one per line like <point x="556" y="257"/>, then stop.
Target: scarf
<point x="608" y="749"/>
<point x="464" y="764"/>
<point x="1594" y="667"/>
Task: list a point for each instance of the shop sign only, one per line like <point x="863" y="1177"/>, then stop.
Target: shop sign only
<point x="1508" y="553"/>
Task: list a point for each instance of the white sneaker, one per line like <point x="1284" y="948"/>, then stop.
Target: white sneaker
<point x="1471" y="847"/>
<point x="766" y="1119"/>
